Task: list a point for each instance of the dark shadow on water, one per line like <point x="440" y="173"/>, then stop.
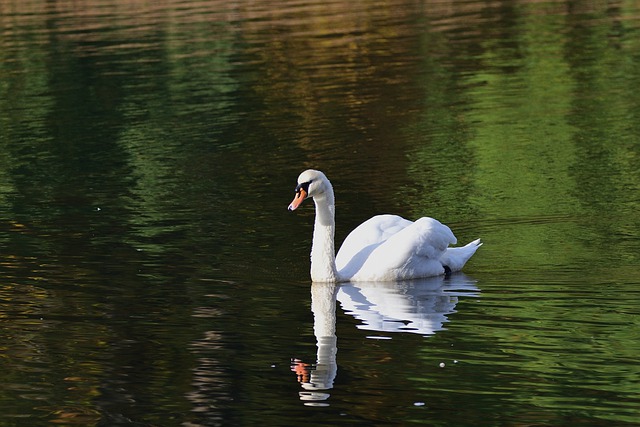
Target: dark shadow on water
<point x="416" y="306"/>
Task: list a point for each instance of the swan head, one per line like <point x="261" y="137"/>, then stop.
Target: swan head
<point x="311" y="183"/>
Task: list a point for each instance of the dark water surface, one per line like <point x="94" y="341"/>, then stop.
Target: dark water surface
<point x="150" y="274"/>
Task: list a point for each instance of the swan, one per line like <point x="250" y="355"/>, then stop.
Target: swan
<point x="383" y="248"/>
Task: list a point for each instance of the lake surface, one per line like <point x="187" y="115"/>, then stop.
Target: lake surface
<point x="150" y="274"/>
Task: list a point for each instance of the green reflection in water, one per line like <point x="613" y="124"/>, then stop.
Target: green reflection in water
<point x="529" y="153"/>
<point x="532" y="142"/>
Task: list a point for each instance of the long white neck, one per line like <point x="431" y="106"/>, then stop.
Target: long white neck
<point x="323" y="256"/>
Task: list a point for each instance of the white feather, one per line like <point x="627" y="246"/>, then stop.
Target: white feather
<point x="383" y="248"/>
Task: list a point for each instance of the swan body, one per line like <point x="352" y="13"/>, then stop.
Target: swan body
<point x="383" y="248"/>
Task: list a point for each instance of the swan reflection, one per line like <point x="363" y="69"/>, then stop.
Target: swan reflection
<point x="416" y="306"/>
<point x="317" y="377"/>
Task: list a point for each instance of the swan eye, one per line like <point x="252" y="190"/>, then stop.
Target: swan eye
<point x="303" y="186"/>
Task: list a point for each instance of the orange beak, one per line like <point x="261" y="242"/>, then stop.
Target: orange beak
<point x="300" y="196"/>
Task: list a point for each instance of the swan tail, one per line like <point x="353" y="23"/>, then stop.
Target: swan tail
<point x="456" y="258"/>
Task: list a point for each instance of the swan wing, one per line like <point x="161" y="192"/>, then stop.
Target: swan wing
<point x="412" y="252"/>
<point x="456" y="258"/>
<point x="359" y="244"/>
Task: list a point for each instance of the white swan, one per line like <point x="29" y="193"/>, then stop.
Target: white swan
<point x="383" y="248"/>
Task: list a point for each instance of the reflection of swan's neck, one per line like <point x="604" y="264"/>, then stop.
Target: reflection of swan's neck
<point x="323" y="305"/>
<point x="323" y="256"/>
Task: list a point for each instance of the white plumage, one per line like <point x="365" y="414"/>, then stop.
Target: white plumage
<point x="383" y="248"/>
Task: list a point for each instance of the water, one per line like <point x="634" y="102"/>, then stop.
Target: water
<point x="151" y="275"/>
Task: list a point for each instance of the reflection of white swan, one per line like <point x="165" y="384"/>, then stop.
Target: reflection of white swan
<point x="384" y="248"/>
<point x="418" y="306"/>
<point x="322" y="374"/>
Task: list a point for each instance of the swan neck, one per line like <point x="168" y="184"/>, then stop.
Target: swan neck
<point x="323" y="256"/>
